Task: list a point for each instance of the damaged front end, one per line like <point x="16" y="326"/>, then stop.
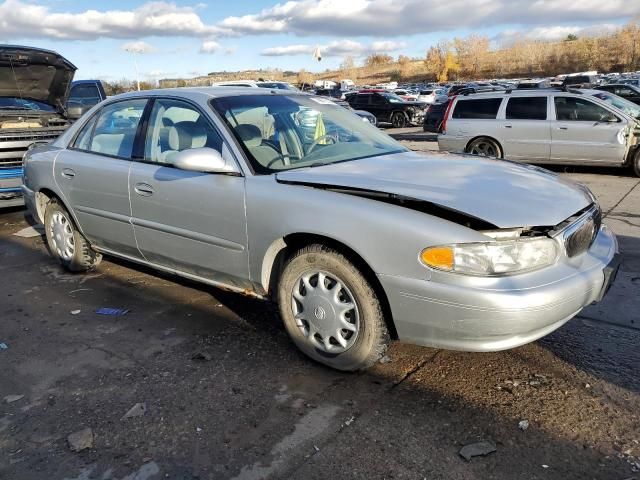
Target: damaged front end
<point x="18" y="131"/>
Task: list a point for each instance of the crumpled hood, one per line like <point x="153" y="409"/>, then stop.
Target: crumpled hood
<point x="36" y="74"/>
<point x="506" y="194"/>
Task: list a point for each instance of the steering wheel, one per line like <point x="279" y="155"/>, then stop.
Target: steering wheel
<point x="317" y="141"/>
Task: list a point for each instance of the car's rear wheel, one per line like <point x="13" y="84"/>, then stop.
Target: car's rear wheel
<point x="65" y="242"/>
<point x="398" y="120"/>
<point x="484" y="147"/>
<point x="330" y="309"/>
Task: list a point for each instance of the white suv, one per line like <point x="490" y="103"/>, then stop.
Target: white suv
<point x="542" y="126"/>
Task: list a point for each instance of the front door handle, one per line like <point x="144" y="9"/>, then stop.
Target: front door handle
<point x="143" y="189"/>
<point x="68" y="173"/>
<point x="563" y="128"/>
<point x="507" y="126"/>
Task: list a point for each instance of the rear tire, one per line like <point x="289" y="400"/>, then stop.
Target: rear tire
<point x="330" y="310"/>
<point x="65" y="241"/>
<point x="484" y="147"/>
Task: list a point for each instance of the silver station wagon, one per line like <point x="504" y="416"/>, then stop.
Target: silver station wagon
<point x="557" y="126"/>
<point x="288" y="196"/>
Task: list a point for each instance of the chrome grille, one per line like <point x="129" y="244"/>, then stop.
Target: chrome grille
<point x="580" y="236"/>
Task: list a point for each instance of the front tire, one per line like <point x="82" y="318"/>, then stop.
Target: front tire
<point x="330" y="310"/>
<point x="484" y="147"/>
<point x="65" y="242"/>
<point x="398" y="120"/>
<point x="635" y="163"/>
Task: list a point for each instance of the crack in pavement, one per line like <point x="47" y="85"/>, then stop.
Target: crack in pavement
<point x="417" y="367"/>
<point x="622" y="199"/>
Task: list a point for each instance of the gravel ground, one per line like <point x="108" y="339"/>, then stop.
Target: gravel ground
<point x="226" y="395"/>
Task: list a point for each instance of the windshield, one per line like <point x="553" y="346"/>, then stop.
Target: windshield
<point x="15" y="103"/>
<point x="620" y="103"/>
<point x="282" y="132"/>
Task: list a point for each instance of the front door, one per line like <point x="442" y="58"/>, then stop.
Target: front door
<point x="93" y="175"/>
<point x="585" y="132"/>
<point x="187" y="221"/>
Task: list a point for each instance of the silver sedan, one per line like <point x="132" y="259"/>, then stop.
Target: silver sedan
<point x="287" y="196"/>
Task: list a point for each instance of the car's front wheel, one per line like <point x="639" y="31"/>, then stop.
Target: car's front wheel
<point x="65" y="242"/>
<point x="635" y="163"/>
<point x="398" y="120"/>
<point x="330" y="309"/>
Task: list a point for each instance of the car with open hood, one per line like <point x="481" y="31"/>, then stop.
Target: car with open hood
<point x="286" y="196"/>
<point x="34" y="85"/>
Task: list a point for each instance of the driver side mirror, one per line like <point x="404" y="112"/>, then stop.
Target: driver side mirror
<point x="204" y="160"/>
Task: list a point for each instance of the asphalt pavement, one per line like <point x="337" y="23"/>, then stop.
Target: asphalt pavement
<point x="223" y="393"/>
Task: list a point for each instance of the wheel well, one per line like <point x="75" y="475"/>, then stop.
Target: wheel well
<point x="296" y="241"/>
<point x="488" y="138"/>
<point x="43" y="197"/>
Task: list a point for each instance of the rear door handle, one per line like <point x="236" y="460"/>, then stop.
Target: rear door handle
<point x="143" y="189"/>
<point x="563" y="128"/>
<point x="68" y="173"/>
<point x="507" y="126"/>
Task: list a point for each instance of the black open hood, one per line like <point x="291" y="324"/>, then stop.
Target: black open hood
<point x="37" y="74"/>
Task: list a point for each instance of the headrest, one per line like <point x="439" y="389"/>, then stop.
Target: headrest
<point x="183" y="135"/>
<point x="249" y="134"/>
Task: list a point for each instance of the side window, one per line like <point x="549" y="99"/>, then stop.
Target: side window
<point x="526" y="108"/>
<point x="625" y="92"/>
<point x="83" y="140"/>
<point x="175" y="126"/>
<point x="572" y="109"/>
<point x="116" y="128"/>
<point x="485" y="108"/>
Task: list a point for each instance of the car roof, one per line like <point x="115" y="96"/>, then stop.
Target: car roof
<point x="205" y="92"/>
<point x="521" y="93"/>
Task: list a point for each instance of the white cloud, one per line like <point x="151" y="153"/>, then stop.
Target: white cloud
<point x="338" y="48"/>
<point x="210" y="46"/>
<point x="157" y="18"/>
<point x="554" y="32"/>
<point x="393" y="18"/>
<point x="138" y="47"/>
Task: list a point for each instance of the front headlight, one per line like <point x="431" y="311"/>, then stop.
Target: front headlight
<point x="501" y="257"/>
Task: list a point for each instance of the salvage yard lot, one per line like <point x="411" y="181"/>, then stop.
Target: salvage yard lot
<point x="228" y="395"/>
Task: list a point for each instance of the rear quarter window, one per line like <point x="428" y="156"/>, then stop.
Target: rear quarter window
<point x="485" y="108"/>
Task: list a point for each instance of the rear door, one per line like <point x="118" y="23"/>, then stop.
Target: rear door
<point x="93" y="175"/>
<point x="586" y="132"/>
<point x="526" y="130"/>
<point x="183" y="220"/>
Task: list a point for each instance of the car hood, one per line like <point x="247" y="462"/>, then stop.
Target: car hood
<point x="36" y="74"/>
<point x="505" y="194"/>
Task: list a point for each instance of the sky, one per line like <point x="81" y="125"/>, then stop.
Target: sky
<point x="186" y="38"/>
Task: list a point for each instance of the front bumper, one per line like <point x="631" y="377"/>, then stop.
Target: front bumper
<point x="491" y="314"/>
<point x="10" y="192"/>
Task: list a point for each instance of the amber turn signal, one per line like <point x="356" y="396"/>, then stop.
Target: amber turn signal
<point x="438" y="257"/>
